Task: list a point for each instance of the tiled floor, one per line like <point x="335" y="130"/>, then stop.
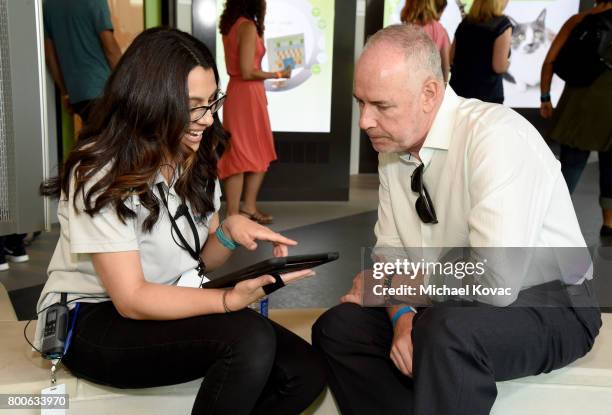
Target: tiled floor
<point x="345" y="227"/>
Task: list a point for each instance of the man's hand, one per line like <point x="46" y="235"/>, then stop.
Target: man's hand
<point x="361" y="292"/>
<point x="401" y="347"/>
<point x="355" y="294"/>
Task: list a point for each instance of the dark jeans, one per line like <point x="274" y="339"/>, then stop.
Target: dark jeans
<point x="573" y="162"/>
<point x="250" y="364"/>
<point x="459" y="354"/>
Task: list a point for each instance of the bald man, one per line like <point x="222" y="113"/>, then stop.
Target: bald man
<point x="453" y="173"/>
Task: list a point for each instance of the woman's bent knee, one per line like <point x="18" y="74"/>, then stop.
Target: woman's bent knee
<point x="255" y="340"/>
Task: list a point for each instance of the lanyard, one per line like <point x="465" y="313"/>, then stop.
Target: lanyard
<point x="72" y="323"/>
<point x="194" y="252"/>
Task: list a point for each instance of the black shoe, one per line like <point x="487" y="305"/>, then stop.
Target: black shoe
<point x="16" y="253"/>
<point x="3" y="264"/>
<point x="605" y="231"/>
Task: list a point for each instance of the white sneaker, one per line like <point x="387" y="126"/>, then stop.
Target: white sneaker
<point x="16" y="255"/>
<point x="19" y="258"/>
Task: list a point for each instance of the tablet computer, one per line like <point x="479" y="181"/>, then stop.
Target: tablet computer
<point x="279" y="265"/>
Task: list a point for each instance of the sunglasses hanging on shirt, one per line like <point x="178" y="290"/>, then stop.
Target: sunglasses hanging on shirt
<point x="424" y="205"/>
<point x="194" y="252"/>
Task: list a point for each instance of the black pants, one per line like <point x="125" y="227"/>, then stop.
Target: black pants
<point x="573" y="162"/>
<point x="250" y="364"/>
<point x="459" y="354"/>
<point x="11" y="241"/>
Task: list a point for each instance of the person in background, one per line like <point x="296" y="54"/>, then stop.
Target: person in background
<point x="80" y="50"/>
<point x="480" y="52"/>
<point x="245" y="116"/>
<point x="581" y="121"/>
<point x="440" y="7"/>
<point x="138" y="210"/>
<point x="12" y="249"/>
<point x="426" y="13"/>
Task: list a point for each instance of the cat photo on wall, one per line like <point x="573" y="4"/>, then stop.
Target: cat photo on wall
<point x="535" y="24"/>
<point x="530" y="43"/>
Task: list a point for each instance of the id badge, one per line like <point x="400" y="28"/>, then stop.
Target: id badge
<point x="56" y="400"/>
<point x="191" y="279"/>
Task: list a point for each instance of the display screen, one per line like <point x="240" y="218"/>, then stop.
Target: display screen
<point x="536" y="23"/>
<point x="299" y="33"/>
<point x="51" y="316"/>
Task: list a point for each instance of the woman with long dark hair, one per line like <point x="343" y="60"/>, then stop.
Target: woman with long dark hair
<point x="245" y="114"/>
<point x="138" y="206"/>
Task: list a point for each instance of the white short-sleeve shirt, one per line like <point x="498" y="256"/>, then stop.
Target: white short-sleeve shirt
<point x="163" y="260"/>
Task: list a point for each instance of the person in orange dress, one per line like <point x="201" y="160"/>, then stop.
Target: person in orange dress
<point x="251" y="148"/>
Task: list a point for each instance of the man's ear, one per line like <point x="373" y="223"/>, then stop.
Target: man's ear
<point x="432" y="93"/>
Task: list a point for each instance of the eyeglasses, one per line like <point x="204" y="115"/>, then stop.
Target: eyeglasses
<point x="424" y="205"/>
<point x="197" y="113"/>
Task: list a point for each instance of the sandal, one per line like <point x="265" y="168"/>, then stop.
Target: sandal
<point x="261" y="218"/>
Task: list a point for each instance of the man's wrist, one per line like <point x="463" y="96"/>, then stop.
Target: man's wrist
<point x="401" y="311"/>
<point x="387" y="284"/>
<point x="545" y="97"/>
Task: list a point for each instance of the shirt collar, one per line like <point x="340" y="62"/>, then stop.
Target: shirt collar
<point x="440" y="133"/>
<point x="159" y="178"/>
<point x="441" y="130"/>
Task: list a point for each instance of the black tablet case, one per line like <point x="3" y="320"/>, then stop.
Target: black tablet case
<point x="279" y="265"/>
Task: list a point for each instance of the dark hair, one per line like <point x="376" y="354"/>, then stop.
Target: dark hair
<point x="440" y="6"/>
<point x="138" y="124"/>
<point x="254" y="10"/>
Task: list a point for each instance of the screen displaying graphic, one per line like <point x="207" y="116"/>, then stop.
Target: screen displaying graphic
<point x="286" y="51"/>
<point x="536" y="23"/>
<point x="300" y="34"/>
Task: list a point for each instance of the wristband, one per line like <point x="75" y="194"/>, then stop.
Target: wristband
<point x="545" y="97"/>
<point x="223" y="297"/>
<point x="224" y="240"/>
<point x="401" y="312"/>
<point x="278" y="74"/>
